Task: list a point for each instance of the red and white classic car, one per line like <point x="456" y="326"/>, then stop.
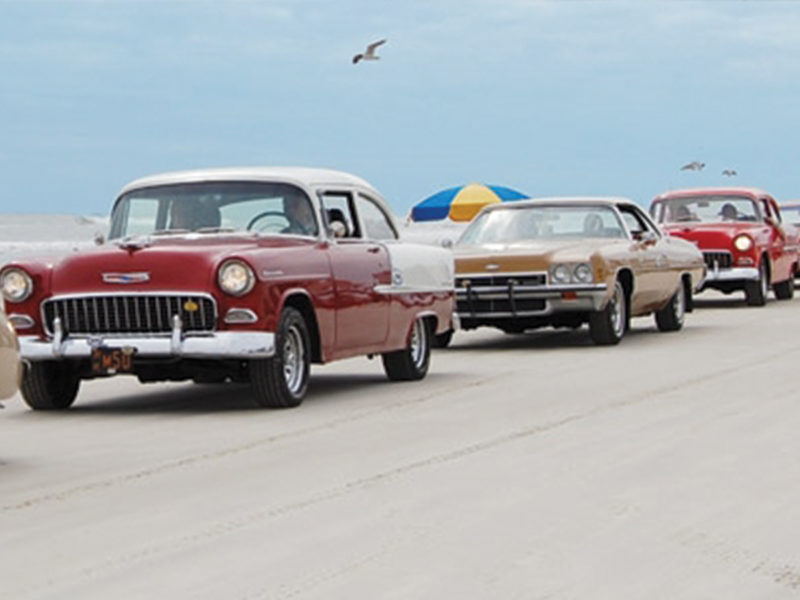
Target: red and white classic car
<point x="741" y="234"/>
<point x="232" y="274"/>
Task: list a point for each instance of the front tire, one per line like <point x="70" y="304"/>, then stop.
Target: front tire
<point x="282" y="380"/>
<point x="671" y="317"/>
<point x="411" y="363"/>
<point x="607" y="326"/>
<point x="755" y="292"/>
<point x="50" y="385"/>
<point x="784" y="290"/>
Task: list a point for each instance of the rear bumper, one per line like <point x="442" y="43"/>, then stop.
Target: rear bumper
<point x="219" y="345"/>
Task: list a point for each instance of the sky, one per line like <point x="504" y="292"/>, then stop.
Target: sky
<point x="551" y="97"/>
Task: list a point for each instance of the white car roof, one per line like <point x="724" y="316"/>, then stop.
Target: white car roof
<point x="606" y="200"/>
<point x="303" y="176"/>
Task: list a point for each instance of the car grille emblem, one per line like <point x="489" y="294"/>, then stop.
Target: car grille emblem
<point x="191" y="306"/>
<point x="126" y="277"/>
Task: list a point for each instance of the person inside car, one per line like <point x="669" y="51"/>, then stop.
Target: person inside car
<point x="729" y="212"/>
<point x="300" y="215"/>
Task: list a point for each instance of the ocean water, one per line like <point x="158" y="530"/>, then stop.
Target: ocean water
<point x="46" y="235"/>
<point x="55" y="235"/>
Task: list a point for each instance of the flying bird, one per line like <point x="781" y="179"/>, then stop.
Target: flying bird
<point x="729" y="173"/>
<point x="693" y="166"/>
<point x="369" y="53"/>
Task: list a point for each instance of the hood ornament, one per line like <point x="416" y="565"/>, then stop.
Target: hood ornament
<point x="134" y="243"/>
<point x="126" y="277"/>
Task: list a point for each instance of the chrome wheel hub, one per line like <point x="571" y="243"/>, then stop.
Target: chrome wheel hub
<point x="679" y="304"/>
<point x="293" y="360"/>
<point x="618" y="310"/>
<point x="417" y="344"/>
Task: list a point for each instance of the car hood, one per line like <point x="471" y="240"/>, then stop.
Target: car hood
<point x="173" y="263"/>
<point x="530" y="255"/>
<point x="712" y="235"/>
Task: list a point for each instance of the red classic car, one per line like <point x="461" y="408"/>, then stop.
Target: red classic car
<point x="232" y="274"/>
<point x="740" y="232"/>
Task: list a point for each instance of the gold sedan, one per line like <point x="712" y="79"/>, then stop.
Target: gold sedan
<point x="563" y="262"/>
<point x="10" y="366"/>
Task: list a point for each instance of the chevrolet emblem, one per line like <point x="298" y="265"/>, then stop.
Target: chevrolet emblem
<point x="126" y="277"/>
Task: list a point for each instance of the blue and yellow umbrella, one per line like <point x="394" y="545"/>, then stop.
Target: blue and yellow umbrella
<point x="462" y="203"/>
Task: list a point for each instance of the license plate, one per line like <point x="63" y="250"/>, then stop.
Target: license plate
<point x="108" y="361"/>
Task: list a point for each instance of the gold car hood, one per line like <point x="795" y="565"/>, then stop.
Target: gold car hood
<point x="535" y="255"/>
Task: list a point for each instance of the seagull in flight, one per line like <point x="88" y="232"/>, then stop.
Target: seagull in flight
<point x="369" y="53"/>
<point x="729" y="173"/>
<point x="693" y="166"/>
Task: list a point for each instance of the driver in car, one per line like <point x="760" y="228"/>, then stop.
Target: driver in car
<point x="300" y="216"/>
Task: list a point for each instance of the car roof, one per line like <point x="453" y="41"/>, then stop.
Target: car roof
<point x="714" y="191"/>
<point x="596" y="200"/>
<point x="303" y="176"/>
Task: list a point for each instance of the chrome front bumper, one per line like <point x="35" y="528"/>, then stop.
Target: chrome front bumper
<point x="733" y="274"/>
<point x="590" y="297"/>
<point x="219" y="345"/>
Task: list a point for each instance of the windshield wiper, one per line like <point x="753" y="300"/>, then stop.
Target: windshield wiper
<point x="215" y="230"/>
<point x="169" y="231"/>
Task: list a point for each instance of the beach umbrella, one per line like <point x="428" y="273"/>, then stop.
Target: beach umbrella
<point x="462" y="203"/>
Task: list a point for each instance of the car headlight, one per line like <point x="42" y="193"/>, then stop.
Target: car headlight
<point x="236" y="278"/>
<point x="583" y="273"/>
<point x="562" y="274"/>
<point x="743" y="242"/>
<point x="17" y="285"/>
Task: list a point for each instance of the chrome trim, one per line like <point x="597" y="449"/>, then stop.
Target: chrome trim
<point x="535" y="291"/>
<point x="58" y="334"/>
<point x="126" y="278"/>
<point x="237" y="316"/>
<point x="20" y="321"/>
<point x="96" y="321"/>
<point x="733" y="274"/>
<point x="176" y="336"/>
<point x="389" y="289"/>
<point x="226" y="344"/>
<point x="502" y="274"/>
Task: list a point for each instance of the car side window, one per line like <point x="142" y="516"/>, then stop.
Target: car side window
<point x="637" y="221"/>
<point x="338" y="206"/>
<point x="635" y="224"/>
<point x="377" y="226"/>
<point x="773" y="206"/>
<point x="765" y="207"/>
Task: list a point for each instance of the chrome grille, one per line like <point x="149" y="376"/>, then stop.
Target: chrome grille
<point x="130" y="314"/>
<point x="499" y="294"/>
<point x="722" y="259"/>
<point x="480" y="281"/>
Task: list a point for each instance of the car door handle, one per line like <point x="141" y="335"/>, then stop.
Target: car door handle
<point x="373" y="249"/>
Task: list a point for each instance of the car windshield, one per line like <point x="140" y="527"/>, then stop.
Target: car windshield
<point x="791" y="214"/>
<point x="519" y="224"/>
<point x="705" y="209"/>
<point x="208" y="207"/>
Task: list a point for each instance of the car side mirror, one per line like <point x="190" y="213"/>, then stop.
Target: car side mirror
<point x="647" y="238"/>
<point x="338" y="229"/>
<point x="99" y="238"/>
